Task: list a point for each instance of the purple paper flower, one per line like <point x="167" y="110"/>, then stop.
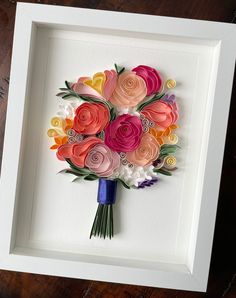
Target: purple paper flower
<point x="147" y="183"/>
<point x="170" y="98"/>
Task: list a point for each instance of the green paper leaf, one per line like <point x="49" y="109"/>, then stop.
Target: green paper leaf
<point x="91" y="177"/>
<point x="162" y="171"/>
<point x="96" y="100"/>
<point x="167" y="146"/>
<point x="77" y="178"/>
<point x="68" y="85"/>
<point x="60" y="94"/>
<point x="119" y="69"/>
<point x="123" y="183"/>
<point x="81" y="171"/>
<point x="72" y="172"/>
<point x="101" y="135"/>
<point x="67" y="96"/>
<point x="63" y="171"/>
<point x="156" y="97"/>
<point x="73" y="94"/>
<point x="167" y="150"/>
<point x="112" y="114"/>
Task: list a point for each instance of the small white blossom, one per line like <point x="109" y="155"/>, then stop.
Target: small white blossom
<point x="135" y="175"/>
<point x="67" y="109"/>
<point x="121" y="111"/>
<point x="131" y="111"/>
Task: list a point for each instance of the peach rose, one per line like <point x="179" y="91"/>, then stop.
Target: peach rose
<point x="91" y="118"/>
<point x="77" y="152"/>
<point x="129" y="91"/>
<point x="146" y="153"/>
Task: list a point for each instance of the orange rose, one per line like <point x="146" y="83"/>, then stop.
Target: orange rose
<point x="77" y="152"/>
<point x="91" y="118"/>
<point x="146" y="153"/>
<point x="129" y="91"/>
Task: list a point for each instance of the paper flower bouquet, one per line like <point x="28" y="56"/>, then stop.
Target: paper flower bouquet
<point x="117" y="127"/>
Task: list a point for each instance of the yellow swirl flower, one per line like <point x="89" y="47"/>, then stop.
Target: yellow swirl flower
<point x="171" y="83"/>
<point x="52" y="133"/>
<point x="56" y="122"/>
<point x="59" y="132"/>
<point x="171" y="139"/>
<point x="170" y="162"/>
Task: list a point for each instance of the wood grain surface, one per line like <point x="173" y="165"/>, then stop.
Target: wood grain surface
<point x="222" y="280"/>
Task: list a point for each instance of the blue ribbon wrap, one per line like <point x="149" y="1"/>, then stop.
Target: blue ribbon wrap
<point x="106" y="191"/>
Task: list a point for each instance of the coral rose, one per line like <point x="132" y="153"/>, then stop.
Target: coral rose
<point x="102" y="161"/>
<point x="161" y="113"/>
<point x="151" y="77"/>
<point x="90" y="118"/>
<point x="146" y="153"/>
<point x="130" y="90"/>
<point x="124" y="133"/>
<point x="77" y="152"/>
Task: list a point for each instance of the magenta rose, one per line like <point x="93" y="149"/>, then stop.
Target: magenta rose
<point x="151" y="77"/>
<point x="124" y="133"/>
<point x="102" y="161"/>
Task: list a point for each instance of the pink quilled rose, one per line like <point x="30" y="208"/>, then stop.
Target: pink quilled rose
<point x="161" y="113"/>
<point x="124" y="133"/>
<point x="151" y="77"/>
<point x="91" y="118"/>
<point x="85" y="90"/>
<point x="130" y="90"/>
<point x="77" y="152"/>
<point x="102" y="160"/>
<point x="108" y="84"/>
<point x="147" y="151"/>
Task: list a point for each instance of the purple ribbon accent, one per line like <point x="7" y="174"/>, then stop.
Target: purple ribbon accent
<point x="106" y="191"/>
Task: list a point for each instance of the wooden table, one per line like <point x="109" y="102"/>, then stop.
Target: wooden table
<point x="222" y="281"/>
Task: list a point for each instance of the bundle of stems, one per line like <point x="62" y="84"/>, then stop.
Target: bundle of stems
<point x="103" y="221"/>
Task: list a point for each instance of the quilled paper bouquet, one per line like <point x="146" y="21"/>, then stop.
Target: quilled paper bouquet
<point x="116" y="127"/>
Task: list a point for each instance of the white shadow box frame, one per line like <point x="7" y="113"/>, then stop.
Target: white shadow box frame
<point x="163" y="234"/>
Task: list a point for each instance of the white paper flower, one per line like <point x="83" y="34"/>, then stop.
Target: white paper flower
<point x="132" y="176"/>
<point x="131" y="111"/>
<point x="67" y="109"/>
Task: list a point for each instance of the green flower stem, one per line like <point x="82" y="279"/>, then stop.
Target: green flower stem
<point x="103" y="222"/>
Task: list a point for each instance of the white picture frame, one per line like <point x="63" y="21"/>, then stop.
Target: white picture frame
<point x="201" y="41"/>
